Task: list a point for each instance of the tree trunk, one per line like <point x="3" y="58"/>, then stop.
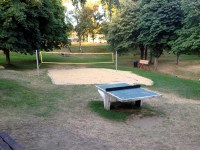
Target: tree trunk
<point x="69" y="48"/>
<point x="177" y="58"/>
<point x="151" y="57"/>
<point x="155" y="63"/>
<point x="7" y="53"/>
<point x="80" y="49"/>
<point x="145" y="53"/>
<point x="141" y="47"/>
<point x="93" y="38"/>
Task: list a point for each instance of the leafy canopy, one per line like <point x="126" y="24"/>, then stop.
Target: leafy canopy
<point x="157" y="23"/>
<point x="27" y="25"/>
<point x="188" y="41"/>
<point x="122" y="31"/>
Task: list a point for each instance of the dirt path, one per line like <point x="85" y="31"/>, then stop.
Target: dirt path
<point x="183" y="70"/>
<point x="81" y="129"/>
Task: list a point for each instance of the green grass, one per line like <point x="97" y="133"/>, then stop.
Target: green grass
<point x="189" y="57"/>
<point x="90" y="49"/>
<point x="121" y="111"/>
<point x="19" y="61"/>
<point x="29" y="100"/>
<point x="76" y="58"/>
<point x="171" y="84"/>
<point x="97" y="106"/>
<point x="165" y="83"/>
<point x="42" y="101"/>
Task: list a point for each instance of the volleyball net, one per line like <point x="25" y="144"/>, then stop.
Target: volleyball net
<point x="76" y="58"/>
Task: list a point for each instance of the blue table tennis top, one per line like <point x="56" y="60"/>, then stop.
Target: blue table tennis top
<point x="127" y="94"/>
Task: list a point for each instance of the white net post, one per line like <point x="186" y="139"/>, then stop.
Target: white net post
<point x="116" y="59"/>
<point x="37" y="61"/>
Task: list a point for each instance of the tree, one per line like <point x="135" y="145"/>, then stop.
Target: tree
<point x="78" y="2"/>
<point x="88" y="20"/>
<point x="111" y="6"/>
<point x="122" y="32"/>
<point x="83" y="19"/>
<point x="188" y="40"/>
<point x="29" y="25"/>
<point x="157" y="23"/>
<point x="97" y="19"/>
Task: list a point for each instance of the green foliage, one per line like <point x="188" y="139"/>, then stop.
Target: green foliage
<point x="111" y="4"/>
<point x="104" y="28"/>
<point x="20" y="96"/>
<point x="30" y="25"/>
<point x="188" y="41"/>
<point x="76" y="3"/>
<point x="122" y="32"/>
<point x="149" y="23"/>
<point x="157" y="23"/>
<point x="88" y="20"/>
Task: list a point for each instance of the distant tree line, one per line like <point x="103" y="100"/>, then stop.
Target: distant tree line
<point x="157" y="26"/>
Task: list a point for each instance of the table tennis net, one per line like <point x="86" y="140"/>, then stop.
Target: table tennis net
<point x="123" y="88"/>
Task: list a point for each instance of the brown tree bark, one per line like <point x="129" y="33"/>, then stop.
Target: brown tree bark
<point x="7" y="53"/>
<point x="145" y="53"/>
<point x="141" y="47"/>
<point x="80" y="48"/>
<point x="177" y="58"/>
<point x="155" y="63"/>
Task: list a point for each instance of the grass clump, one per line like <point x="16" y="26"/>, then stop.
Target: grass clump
<point x="121" y="111"/>
<point x="97" y="106"/>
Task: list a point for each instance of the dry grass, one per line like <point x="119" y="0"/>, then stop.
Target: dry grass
<point x="74" y="126"/>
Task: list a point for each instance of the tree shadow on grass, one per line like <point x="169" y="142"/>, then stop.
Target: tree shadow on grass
<point x="20" y="65"/>
<point x="122" y="111"/>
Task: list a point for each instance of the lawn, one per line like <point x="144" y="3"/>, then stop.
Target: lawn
<point x="162" y="82"/>
<point x="33" y="109"/>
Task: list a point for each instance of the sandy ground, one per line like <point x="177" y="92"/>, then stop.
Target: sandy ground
<point x="95" y="76"/>
<point x="1" y="67"/>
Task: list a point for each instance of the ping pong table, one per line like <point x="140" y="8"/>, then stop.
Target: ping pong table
<point x="124" y="92"/>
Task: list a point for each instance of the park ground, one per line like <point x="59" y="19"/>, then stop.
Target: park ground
<point x="42" y="115"/>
